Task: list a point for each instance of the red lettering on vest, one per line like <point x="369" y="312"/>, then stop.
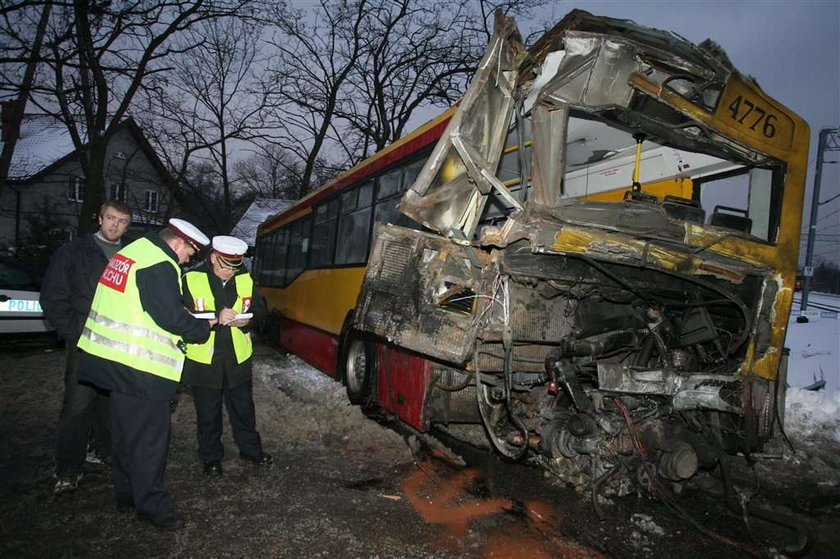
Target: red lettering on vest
<point x="115" y="275"/>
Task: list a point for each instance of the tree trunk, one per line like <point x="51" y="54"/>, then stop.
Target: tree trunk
<point x="19" y="104"/>
<point x="95" y="185"/>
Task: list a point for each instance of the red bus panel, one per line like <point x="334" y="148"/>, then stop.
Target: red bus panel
<point x="317" y="348"/>
<point x="403" y="385"/>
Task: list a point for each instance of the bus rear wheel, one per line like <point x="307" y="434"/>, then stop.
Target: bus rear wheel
<point x="358" y="369"/>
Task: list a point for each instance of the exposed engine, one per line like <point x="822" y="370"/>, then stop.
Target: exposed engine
<point x="593" y="366"/>
<point x="608" y="374"/>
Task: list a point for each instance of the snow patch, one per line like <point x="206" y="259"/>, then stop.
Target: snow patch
<point x="815" y="345"/>
<point x="807" y="412"/>
<point x="646" y="523"/>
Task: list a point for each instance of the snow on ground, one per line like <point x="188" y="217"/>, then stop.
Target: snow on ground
<point x="314" y="409"/>
<point x="814" y="344"/>
<point x="814" y="355"/>
<point x="808" y="412"/>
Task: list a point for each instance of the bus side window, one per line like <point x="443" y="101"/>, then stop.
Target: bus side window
<point x="410" y="174"/>
<point x="266" y="258"/>
<point x="389" y="185"/>
<point x="298" y="249"/>
<point x="256" y="262"/>
<point x="277" y="268"/>
<point x="354" y="226"/>
<point x="323" y="234"/>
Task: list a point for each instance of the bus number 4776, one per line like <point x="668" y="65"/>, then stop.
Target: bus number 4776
<point x="740" y="109"/>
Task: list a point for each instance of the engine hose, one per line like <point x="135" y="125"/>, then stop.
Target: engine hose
<point x="483" y="404"/>
<point x="603" y="269"/>
<point x="802" y="539"/>
<point x="460" y="385"/>
<point x="508" y="388"/>
<point x="596" y="489"/>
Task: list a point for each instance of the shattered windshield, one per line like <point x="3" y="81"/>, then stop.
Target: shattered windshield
<point x="599" y="165"/>
<point x="585" y="119"/>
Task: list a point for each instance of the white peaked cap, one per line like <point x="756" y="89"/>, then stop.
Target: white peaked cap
<point x="229" y="248"/>
<point x="188" y="232"/>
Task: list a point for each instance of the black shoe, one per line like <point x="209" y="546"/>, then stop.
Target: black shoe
<point x="125" y="505"/>
<point x="213" y="468"/>
<point x="260" y="460"/>
<point x="164" y="521"/>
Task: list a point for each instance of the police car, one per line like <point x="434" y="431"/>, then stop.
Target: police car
<point x="20" y="311"/>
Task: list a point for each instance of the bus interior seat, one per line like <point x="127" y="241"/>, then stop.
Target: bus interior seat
<point x="731" y="219"/>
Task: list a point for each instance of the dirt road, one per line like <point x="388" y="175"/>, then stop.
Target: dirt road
<point x="345" y="486"/>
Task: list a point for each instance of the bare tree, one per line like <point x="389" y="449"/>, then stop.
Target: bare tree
<point x="414" y="53"/>
<point x="270" y="173"/>
<point x="512" y="8"/>
<point x="352" y="74"/>
<point x="18" y="105"/>
<point x="98" y="55"/>
<point x="316" y="52"/>
<point x="208" y="99"/>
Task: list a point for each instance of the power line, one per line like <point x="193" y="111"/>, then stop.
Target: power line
<point x="821" y="218"/>
<point x="833" y="198"/>
<point x="828" y="215"/>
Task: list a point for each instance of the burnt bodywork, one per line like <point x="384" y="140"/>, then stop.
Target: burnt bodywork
<point x="585" y="321"/>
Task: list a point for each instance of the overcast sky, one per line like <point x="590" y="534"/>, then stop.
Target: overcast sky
<point x="792" y="48"/>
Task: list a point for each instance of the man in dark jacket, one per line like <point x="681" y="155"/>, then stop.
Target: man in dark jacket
<point x="221" y="367"/>
<point x="133" y="345"/>
<point x="66" y="293"/>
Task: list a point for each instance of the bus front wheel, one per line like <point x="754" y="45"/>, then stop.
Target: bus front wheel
<point x="358" y="369"/>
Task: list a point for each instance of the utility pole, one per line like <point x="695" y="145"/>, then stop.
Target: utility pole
<point x="829" y="141"/>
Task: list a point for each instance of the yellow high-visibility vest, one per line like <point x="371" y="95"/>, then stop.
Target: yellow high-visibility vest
<point x="117" y="327"/>
<point x="199" y="286"/>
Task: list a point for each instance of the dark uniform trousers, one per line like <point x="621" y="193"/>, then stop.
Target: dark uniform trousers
<point x="84" y="414"/>
<point x="239" y="403"/>
<point x="140" y="443"/>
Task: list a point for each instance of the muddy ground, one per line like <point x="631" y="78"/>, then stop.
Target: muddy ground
<point x="344" y="485"/>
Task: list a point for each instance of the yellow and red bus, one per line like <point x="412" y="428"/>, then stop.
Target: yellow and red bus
<point x="310" y="259"/>
<point x="594" y="258"/>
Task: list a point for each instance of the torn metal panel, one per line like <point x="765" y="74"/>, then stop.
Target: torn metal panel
<point x="420" y="292"/>
<point x="451" y="191"/>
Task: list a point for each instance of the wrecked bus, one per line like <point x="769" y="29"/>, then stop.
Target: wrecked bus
<point x="594" y="259"/>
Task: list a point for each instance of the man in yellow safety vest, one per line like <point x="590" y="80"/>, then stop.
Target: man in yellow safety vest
<point x="133" y="345"/>
<point x="221" y="367"/>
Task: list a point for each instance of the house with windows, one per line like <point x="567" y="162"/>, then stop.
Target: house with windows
<point x="46" y="185"/>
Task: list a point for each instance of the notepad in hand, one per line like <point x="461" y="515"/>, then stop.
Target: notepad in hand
<point x="204" y="315"/>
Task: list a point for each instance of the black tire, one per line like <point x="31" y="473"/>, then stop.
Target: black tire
<point x="358" y="369"/>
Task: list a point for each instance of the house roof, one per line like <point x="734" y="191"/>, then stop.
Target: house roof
<point x="43" y="140"/>
<point x="259" y="210"/>
<point x="45" y="144"/>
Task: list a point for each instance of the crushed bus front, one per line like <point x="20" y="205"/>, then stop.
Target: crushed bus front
<point x="611" y="227"/>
